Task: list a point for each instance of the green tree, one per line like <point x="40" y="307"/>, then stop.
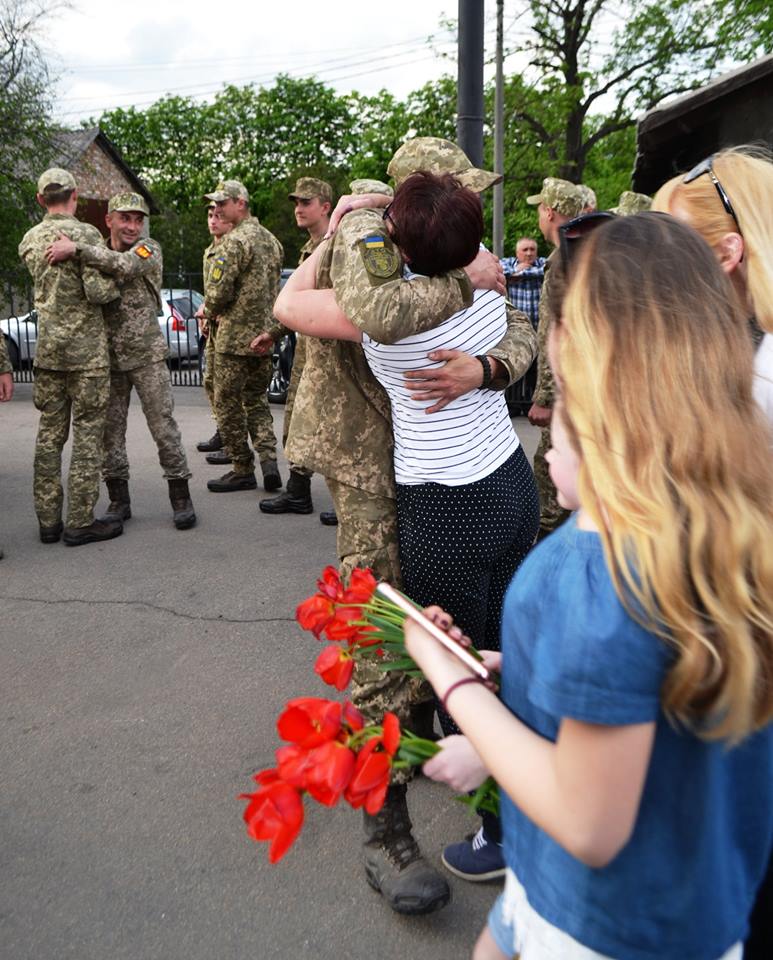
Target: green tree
<point x="25" y="107"/>
<point x="591" y="58"/>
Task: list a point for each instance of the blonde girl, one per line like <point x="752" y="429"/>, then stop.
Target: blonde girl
<point x="633" y="741"/>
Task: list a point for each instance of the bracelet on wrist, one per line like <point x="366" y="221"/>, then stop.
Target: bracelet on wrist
<point x="454" y="686"/>
<point x="487" y="376"/>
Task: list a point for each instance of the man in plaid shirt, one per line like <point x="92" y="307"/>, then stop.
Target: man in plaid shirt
<point x="524" y="274"/>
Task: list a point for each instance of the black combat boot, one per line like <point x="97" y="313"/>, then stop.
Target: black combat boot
<point x="393" y="862"/>
<point x="119" y="507"/>
<point x="52" y="534"/>
<point x="219" y="457"/>
<point x="295" y="499"/>
<point x="328" y="518"/>
<point x="271" y="479"/>
<point x="104" y="529"/>
<point x="180" y="497"/>
<point x="214" y="443"/>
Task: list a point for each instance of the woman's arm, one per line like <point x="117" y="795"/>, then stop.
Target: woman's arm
<point x="315" y="313"/>
<point x="583" y="790"/>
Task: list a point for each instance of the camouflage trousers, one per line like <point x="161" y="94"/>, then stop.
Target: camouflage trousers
<point x="155" y="392"/>
<point x="367" y="537"/>
<point x="299" y="362"/>
<point x="241" y="408"/>
<point x="551" y="513"/>
<point x="209" y="374"/>
<point x="62" y="396"/>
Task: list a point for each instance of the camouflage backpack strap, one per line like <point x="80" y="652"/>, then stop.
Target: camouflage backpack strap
<point x="380" y="258"/>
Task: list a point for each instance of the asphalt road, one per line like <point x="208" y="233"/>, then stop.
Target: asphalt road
<point x="139" y="684"/>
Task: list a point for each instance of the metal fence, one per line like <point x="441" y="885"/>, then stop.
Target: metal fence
<point x="180" y="298"/>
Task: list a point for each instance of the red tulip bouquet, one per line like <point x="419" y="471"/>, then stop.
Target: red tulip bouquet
<point x="330" y="753"/>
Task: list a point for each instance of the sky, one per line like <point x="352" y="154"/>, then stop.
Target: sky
<point x="109" y="54"/>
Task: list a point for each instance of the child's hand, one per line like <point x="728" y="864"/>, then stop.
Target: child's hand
<point x="425" y="649"/>
<point x="458" y="764"/>
<point x="492" y="660"/>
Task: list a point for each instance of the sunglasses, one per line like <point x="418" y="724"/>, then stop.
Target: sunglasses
<point x="572" y="233"/>
<point x="387" y="216"/>
<point x="707" y="166"/>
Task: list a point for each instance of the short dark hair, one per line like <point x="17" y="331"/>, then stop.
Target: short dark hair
<point x="54" y="198"/>
<point x="438" y="223"/>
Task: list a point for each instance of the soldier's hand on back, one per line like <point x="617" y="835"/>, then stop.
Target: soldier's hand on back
<point x="460" y="373"/>
<point x="486" y="273"/>
<point x="61" y="249"/>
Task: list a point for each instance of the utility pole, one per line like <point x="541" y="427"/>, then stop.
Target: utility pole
<point x="469" y="120"/>
<point x="499" y="136"/>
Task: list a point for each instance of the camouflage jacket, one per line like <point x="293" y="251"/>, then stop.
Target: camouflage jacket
<point x="342" y="422"/>
<point x="132" y="322"/>
<point x="242" y="286"/>
<point x="5" y="360"/>
<point x="550" y="302"/>
<point x="68" y="296"/>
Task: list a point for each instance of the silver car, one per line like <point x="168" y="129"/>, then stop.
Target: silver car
<point x="21" y="335"/>
<point x="179" y="325"/>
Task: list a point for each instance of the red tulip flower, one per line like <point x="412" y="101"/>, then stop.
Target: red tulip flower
<point x="333" y="765"/>
<point x="315" y="613"/>
<point x="335" y="667"/>
<point x="275" y="813"/>
<point x="310" y="721"/>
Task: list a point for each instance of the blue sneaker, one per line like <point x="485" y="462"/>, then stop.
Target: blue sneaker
<point x="476" y="858"/>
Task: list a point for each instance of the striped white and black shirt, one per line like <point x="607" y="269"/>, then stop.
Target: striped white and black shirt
<point x="473" y="435"/>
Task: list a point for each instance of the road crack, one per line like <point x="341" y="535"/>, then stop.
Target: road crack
<point x="159" y="608"/>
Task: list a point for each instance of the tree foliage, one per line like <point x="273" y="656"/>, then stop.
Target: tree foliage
<point x="602" y="57"/>
<point x="25" y="106"/>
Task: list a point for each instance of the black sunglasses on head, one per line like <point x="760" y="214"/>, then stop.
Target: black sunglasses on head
<point x="707" y="166"/>
<point x="572" y="233"/>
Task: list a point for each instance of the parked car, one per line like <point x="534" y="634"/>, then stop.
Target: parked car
<point x="284" y="352"/>
<point x="179" y="325"/>
<point x="21" y="334"/>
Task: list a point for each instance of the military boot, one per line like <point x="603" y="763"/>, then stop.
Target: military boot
<point x="271" y="479"/>
<point x="103" y="529"/>
<point x="214" y="443"/>
<point x="295" y="499"/>
<point x="393" y="862"/>
<point x="119" y="507"/>
<point x="180" y="497"/>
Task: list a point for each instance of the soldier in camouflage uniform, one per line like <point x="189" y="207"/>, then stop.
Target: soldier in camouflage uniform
<point x="138" y="353"/>
<point x="71" y="369"/>
<point x="240" y="293"/>
<point x="214" y="446"/>
<point x="313" y="199"/>
<point x="558" y="202"/>
<point x="342" y="428"/>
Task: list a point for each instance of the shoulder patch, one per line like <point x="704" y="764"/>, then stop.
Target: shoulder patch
<point x="144" y="251"/>
<point x="217" y="268"/>
<point x="379" y="257"/>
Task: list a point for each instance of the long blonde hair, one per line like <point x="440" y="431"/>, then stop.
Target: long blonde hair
<point x="677" y="473"/>
<point x="746" y="174"/>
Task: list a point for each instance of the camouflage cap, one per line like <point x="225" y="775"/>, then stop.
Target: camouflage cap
<point x="228" y="190"/>
<point x="306" y="188"/>
<point x="631" y="203"/>
<point x="128" y="203"/>
<point x="371" y="186"/>
<point x="439" y="156"/>
<point x="560" y="195"/>
<point x="56" y="179"/>
<point x="590" y="198"/>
